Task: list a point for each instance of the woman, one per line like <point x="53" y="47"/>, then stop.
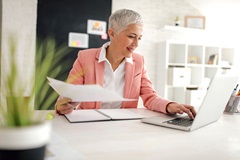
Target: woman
<point x="115" y="66"/>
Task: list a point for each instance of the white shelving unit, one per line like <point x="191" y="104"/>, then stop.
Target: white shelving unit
<point x="189" y="56"/>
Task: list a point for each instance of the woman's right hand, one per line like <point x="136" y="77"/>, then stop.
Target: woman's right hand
<point x="65" y="105"/>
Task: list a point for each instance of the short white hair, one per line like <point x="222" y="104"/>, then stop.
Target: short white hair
<point x="120" y="19"/>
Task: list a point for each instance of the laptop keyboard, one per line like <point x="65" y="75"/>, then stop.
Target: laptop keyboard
<point x="181" y="121"/>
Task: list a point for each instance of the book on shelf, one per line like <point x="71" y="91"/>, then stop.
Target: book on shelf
<point x="213" y="59"/>
<point x="193" y="59"/>
<point x="94" y="115"/>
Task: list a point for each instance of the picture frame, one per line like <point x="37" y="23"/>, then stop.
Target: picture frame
<point x="197" y="22"/>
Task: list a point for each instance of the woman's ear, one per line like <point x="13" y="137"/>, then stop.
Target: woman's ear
<point x="111" y="32"/>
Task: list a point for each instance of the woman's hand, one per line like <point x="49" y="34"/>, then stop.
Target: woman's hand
<point x="65" y="106"/>
<point x="174" y="108"/>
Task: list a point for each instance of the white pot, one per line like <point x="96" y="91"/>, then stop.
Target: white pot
<point x="176" y="23"/>
<point x="21" y="142"/>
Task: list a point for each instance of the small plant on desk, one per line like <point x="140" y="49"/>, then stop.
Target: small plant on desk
<point x="22" y="134"/>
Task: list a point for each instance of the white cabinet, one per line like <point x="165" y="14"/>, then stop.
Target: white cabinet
<point x="183" y="65"/>
<point x="179" y="76"/>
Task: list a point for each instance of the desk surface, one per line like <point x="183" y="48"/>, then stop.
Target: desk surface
<point x="134" y="140"/>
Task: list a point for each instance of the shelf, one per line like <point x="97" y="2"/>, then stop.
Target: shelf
<point x="226" y="67"/>
<point x="193" y="65"/>
<point x="211" y="66"/>
<point x="169" y="86"/>
<point x="183" y="29"/>
<point x="176" y="64"/>
<point x="187" y="65"/>
<point x="190" y="87"/>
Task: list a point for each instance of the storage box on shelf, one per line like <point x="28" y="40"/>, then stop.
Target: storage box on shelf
<point x="179" y="76"/>
<point x="182" y="65"/>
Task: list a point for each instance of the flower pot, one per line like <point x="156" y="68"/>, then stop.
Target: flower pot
<point x="24" y="143"/>
<point x="176" y="23"/>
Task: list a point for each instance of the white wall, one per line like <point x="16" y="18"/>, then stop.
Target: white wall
<point x="19" y="19"/>
<point x="156" y="15"/>
<point x="221" y="25"/>
<point x="222" y="21"/>
<point x="19" y="16"/>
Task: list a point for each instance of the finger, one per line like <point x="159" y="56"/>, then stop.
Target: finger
<point x="186" y="110"/>
<point x="64" y="101"/>
<point x="192" y="109"/>
<point x="62" y="106"/>
<point x="75" y="103"/>
<point x="66" y="110"/>
<point x="179" y="111"/>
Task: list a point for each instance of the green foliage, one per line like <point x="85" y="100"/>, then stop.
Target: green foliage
<point x="18" y="111"/>
<point x="49" y="62"/>
<point x="177" y="18"/>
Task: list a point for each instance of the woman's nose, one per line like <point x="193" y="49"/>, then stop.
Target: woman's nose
<point x="135" y="42"/>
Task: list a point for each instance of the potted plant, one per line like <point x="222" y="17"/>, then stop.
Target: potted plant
<point x="177" y="21"/>
<point x="22" y="134"/>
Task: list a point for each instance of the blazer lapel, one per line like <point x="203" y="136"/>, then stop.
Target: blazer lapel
<point x="128" y="81"/>
<point x="99" y="71"/>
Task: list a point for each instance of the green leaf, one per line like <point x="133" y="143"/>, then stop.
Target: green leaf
<point x="48" y="62"/>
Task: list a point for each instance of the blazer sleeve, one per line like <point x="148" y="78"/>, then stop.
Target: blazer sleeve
<point x="151" y="99"/>
<point x="76" y="75"/>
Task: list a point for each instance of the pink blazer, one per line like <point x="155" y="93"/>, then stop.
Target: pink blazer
<point x="87" y="70"/>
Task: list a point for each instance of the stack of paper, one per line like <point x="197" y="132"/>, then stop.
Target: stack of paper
<point x="85" y="93"/>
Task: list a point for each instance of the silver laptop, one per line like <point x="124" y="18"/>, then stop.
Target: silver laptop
<point x="211" y="109"/>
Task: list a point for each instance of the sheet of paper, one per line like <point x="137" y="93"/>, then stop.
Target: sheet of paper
<point x="87" y="115"/>
<point x="93" y="115"/>
<point x="120" y="114"/>
<point x="85" y="93"/>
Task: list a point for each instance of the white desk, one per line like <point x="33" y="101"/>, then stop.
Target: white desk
<point x="134" y="140"/>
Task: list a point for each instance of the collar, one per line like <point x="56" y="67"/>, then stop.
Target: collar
<point x="102" y="56"/>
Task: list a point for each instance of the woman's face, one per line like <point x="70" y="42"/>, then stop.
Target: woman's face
<point x="127" y="40"/>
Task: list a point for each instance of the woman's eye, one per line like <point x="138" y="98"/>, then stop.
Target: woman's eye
<point x="131" y="36"/>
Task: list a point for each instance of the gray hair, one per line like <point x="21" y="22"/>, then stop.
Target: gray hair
<point x="120" y="19"/>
